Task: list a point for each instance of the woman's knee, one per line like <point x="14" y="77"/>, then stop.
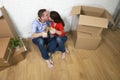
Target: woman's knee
<point x="58" y="40"/>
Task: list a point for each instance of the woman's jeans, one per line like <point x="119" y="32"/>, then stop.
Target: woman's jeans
<point x="45" y="45"/>
<point x="60" y="40"/>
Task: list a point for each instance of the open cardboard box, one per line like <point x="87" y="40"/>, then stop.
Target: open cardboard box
<point x="5" y="52"/>
<point x="86" y="21"/>
<point x="19" y="55"/>
<point x="8" y="56"/>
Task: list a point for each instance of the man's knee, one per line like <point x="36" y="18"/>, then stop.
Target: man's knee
<point x="40" y="41"/>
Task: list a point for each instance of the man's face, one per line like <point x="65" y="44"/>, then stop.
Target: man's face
<point x="45" y="16"/>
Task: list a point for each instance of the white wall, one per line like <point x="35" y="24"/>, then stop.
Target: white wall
<point x="23" y="12"/>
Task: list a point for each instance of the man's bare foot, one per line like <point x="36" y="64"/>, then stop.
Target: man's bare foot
<point x="49" y="64"/>
<point x="51" y="61"/>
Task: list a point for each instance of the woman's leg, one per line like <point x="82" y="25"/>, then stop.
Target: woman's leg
<point x="60" y="41"/>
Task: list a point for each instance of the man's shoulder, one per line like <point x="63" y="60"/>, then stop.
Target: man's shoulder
<point x="35" y="21"/>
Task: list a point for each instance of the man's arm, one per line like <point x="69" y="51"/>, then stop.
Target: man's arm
<point x="34" y="29"/>
<point x="36" y="35"/>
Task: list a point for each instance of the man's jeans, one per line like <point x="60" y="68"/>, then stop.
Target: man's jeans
<point x="45" y="45"/>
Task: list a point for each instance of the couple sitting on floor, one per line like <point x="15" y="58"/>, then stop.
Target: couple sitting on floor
<point x="48" y="34"/>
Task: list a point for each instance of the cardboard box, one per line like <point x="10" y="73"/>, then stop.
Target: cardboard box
<point x="87" y="25"/>
<point x="6" y="27"/>
<point x="19" y="55"/>
<point x="8" y="57"/>
<point x="5" y="52"/>
<point x="91" y="19"/>
<point x="86" y="41"/>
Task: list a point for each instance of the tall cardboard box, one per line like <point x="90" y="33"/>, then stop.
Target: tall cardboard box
<point x="91" y="21"/>
<point x="6" y="27"/>
<point x="7" y="31"/>
<point x="5" y="52"/>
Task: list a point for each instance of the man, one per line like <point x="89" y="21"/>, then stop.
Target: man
<point x="40" y="37"/>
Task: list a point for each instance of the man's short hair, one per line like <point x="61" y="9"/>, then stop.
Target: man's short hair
<point x="40" y="12"/>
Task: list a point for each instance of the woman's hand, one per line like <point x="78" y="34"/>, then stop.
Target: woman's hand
<point x="52" y="30"/>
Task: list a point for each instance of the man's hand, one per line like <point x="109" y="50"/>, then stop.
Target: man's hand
<point x="44" y="34"/>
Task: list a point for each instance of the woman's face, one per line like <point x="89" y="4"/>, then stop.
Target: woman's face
<point x="51" y="19"/>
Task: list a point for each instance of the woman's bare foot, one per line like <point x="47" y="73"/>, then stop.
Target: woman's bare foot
<point x="67" y="51"/>
<point x="63" y="55"/>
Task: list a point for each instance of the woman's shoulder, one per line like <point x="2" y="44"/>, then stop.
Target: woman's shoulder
<point x="59" y="24"/>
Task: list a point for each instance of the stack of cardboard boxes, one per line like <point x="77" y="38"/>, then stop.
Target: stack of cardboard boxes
<point x="87" y="26"/>
<point x="9" y="56"/>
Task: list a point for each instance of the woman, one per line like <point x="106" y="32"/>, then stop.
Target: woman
<point x="58" y="31"/>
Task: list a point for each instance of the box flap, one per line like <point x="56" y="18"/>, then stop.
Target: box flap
<point x="109" y="17"/>
<point x="93" y="21"/>
<point x="76" y="10"/>
<point x="92" y="11"/>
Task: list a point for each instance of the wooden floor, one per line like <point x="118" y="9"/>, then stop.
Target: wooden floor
<point x="100" y="64"/>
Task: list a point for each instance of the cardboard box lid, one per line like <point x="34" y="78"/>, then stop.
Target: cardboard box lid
<point x="93" y="21"/>
<point x="77" y="9"/>
<point x="3" y="46"/>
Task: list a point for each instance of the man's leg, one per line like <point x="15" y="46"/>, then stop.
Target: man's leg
<point x="52" y="44"/>
<point x="40" y="43"/>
